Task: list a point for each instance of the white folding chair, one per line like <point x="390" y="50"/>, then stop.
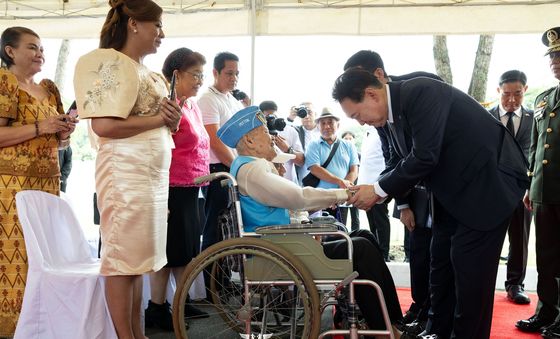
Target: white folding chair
<point x="64" y="294"/>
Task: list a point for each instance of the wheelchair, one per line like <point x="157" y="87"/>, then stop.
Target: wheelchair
<point x="273" y="283"/>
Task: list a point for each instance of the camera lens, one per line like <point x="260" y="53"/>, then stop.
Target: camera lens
<point x="301" y="111"/>
<point x="275" y="124"/>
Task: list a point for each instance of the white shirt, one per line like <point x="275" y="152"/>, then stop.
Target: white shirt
<point x="260" y="181"/>
<point x="372" y="162"/>
<point x="310" y="135"/>
<point x="516" y="117"/>
<point x="292" y="138"/>
<point x="378" y="190"/>
<point x="216" y="108"/>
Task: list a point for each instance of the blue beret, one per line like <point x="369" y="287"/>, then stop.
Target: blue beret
<point x="240" y="124"/>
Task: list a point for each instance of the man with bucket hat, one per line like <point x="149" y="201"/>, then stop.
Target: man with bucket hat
<point x="342" y="169"/>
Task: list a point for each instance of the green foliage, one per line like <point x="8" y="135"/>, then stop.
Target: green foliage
<point x="531" y="94"/>
<point x="81" y="149"/>
<point x="359" y="132"/>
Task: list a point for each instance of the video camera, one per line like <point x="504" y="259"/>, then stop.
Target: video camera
<point x="274" y="124"/>
<point x="301" y="111"/>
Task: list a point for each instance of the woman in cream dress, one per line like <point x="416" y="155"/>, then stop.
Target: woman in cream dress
<point x="132" y="119"/>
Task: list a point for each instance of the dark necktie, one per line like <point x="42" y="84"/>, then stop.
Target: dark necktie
<point x="509" y="124"/>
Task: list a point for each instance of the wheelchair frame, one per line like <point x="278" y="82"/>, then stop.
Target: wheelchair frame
<point x="277" y="245"/>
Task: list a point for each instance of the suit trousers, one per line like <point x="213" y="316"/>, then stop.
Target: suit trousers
<point x="216" y="200"/>
<point x="518" y="235"/>
<point x="369" y="263"/>
<point x="420" y="240"/>
<point x="354" y="214"/>
<point x="547" y="243"/>
<point x="378" y="218"/>
<point x="463" y="273"/>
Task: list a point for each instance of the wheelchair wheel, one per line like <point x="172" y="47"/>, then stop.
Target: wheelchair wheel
<point x="256" y="288"/>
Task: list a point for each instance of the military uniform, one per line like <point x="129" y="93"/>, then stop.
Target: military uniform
<point x="544" y="193"/>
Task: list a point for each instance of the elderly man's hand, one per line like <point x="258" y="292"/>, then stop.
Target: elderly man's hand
<point x="364" y="197"/>
<point x="343" y="183"/>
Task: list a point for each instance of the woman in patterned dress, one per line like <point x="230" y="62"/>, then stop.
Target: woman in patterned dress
<point x="134" y="153"/>
<point x="32" y="128"/>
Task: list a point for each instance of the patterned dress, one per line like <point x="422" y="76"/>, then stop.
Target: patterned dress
<point x="30" y="165"/>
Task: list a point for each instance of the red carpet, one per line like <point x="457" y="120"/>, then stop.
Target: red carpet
<point x="505" y="314"/>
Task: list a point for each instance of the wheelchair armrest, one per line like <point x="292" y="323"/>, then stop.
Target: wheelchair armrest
<point x="296" y="228"/>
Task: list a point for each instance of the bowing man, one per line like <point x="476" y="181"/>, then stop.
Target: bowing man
<point x="469" y="161"/>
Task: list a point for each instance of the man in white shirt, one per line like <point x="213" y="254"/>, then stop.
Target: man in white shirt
<point x="217" y="105"/>
<point x="287" y="140"/>
<point x="372" y="164"/>
<point x="307" y="132"/>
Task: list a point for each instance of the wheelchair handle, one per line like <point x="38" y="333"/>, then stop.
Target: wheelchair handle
<point x="214" y="176"/>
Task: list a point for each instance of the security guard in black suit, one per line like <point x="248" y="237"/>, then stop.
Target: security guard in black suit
<point x="519" y="120"/>
<point x="544" y="198"/>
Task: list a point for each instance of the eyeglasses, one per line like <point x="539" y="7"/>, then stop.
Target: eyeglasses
<point x="197" y="76"/>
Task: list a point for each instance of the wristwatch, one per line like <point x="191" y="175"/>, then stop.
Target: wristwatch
<point x="290" y="150"/>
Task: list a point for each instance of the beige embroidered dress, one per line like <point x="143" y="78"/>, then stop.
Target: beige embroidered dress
<point x="30" y="165"/>
<point x="132" y="174"/>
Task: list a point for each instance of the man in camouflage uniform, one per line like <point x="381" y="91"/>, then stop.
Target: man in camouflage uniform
<point x="544" y="198"/>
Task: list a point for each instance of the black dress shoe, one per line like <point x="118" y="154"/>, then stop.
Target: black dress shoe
<point x="159" y="315"/>
<point x="429" y="336"/>
<point x="192" y="312"/>
<point x="414" y="328"/>
<point x="409" y="317"/>
<point x="516" y="294"/>
<point x="552" y="331"/>
<point x="533" y="325"/>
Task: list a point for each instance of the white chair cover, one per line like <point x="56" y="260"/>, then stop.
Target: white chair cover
<point x="64" y="294"/>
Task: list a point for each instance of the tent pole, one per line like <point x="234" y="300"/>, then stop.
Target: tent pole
<point x="253" y="32"/>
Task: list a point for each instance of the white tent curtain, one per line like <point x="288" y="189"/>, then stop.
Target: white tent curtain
<point x="83" y="18"/>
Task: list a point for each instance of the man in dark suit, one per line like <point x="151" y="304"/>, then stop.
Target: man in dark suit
<point x="469" y="161"/>
<point x="519" y="121"/>
<point x="419" y="238"/>
<point x="544" y="198"/>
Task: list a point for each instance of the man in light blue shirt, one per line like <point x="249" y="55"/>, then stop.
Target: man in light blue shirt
<point x="342" y="170"/>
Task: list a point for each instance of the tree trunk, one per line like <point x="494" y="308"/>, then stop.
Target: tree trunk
<point x="479" y="79"/>
<point x="441" y="58"/>
<point x="60" y="74"/>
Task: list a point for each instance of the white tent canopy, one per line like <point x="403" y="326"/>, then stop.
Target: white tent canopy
<point x="183" y="18"/>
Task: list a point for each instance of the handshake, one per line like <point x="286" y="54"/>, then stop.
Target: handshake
<point x="362" y="196"/>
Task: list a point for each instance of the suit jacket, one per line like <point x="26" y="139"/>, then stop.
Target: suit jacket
<point x="466" y="157"/>
<point x="544" y="156"/>
<point x="392" y="157"/>
<point x="523" y="135"/>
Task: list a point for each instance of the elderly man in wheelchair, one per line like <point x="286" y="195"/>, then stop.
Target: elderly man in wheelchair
<point x="265" y="199"/>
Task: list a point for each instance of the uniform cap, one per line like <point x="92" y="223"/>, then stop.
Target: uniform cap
<point x="241" y="123"/>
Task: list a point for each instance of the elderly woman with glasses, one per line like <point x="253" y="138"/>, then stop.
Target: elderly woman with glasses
<point x="190" y="159"/>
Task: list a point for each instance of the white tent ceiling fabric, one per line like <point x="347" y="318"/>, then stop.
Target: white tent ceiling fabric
<point x="184" y="18"/>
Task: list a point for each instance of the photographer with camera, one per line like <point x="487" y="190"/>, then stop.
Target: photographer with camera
<point x="285" y="138"/>
<point x="307" y="132"/>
